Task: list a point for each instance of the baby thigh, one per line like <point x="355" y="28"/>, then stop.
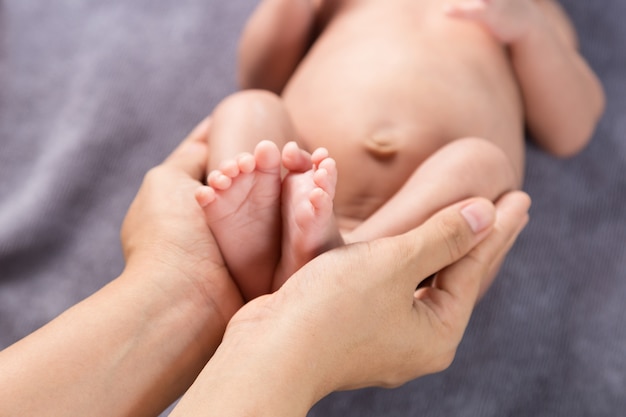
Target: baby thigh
<point x="245" y="118"/>
<point x="467" y="167"/>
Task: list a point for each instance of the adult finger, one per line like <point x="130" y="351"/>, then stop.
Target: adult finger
<point x="446" y="237"/>
<point x="506" y="203"/>
<point x="462" y="280"/>
<point x="192" y="154"/>
<point x="469" y="9"/>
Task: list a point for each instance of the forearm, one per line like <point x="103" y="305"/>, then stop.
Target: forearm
<point x="273" y="43"/>
<point x="130" y="349"/>
<point x="259" y="375"/>
<point x="563" y="97"/>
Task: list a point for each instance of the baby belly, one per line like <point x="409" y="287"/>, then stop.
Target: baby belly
<point x="377" y="154"/>
<point x="372" y="167"/>
<point x="381" y="118"/>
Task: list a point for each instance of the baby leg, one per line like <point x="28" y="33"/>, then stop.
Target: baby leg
<point x="464" y="168"/>
<point x="242" y="205"/>
<point x="244" y="119"/>
<point x="469" y="167"/>
<point x="309" y="226"/>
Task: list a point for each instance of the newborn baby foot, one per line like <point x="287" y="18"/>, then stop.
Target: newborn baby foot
<point x="309" y="226"/>
<point x="242" y="207"/>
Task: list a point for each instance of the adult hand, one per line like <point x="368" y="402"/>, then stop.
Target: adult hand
<point x="164" y="233"/>
<point x="507" y="20"/>
<point x="137" y="344"/>
<point x="352" y="317"/>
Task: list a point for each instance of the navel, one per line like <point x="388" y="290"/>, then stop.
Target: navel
<point x="382" y="144"/>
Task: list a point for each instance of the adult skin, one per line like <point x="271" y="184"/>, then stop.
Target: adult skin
<point x="351" y="317"/>
<point x="138" y="343"/>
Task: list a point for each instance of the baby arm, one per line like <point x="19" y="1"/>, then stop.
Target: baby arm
<point x="274" y="41"/>
<point x="563" y="98"/>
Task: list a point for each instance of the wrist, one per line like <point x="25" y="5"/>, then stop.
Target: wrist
<point x="206" y="301"/>
<point x="135" y="343"/>
<point x="261" y="368"/>
<point x="188" y="331"/>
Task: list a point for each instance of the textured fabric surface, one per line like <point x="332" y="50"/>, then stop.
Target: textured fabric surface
<point x="92" y="94"/>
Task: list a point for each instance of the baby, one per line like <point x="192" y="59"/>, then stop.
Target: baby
<point x="422" y="103"/>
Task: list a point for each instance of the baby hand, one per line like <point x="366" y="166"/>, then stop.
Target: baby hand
<point x="507" y="20"/>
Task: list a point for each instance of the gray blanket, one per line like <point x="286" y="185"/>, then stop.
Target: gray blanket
<point x="94" y="93"/>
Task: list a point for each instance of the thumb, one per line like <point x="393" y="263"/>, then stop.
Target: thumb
<point x="457" y="287"/>
<point x="446" y="237"/>
<point x="191" y="155"/>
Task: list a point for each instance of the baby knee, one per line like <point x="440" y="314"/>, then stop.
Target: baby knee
<point x="491" y="157"/>
<point x="245" y="118"/>
<point x="249" y="103"/>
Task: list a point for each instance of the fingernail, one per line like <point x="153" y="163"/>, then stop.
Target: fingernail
<point x="479" y="215"/>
